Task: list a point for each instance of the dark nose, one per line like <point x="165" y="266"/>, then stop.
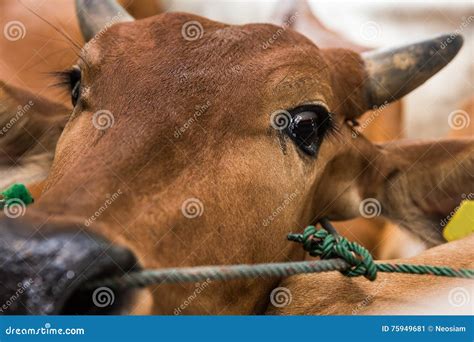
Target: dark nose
<point x="44" y="271"/>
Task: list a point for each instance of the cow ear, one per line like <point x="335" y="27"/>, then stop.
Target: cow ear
<point x="419" y="185"/>
<point x="30" y="125"/>
<point x="416" y="185"/>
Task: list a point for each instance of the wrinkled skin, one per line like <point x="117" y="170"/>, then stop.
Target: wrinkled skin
<point x="232" y="160"/>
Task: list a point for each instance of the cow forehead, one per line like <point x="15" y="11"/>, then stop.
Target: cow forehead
<point x="178" y="37"/>
<point x="247" y="70"/>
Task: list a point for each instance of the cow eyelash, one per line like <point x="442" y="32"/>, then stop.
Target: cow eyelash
<point x="66" y="79"/>
<point x="69" y="80"/>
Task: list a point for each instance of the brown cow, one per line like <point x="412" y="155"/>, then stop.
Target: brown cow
<point x="31" y="72"/>
<point x="123" y="182"/>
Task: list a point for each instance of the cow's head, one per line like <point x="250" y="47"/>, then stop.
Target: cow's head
<point x="194" y="142"/>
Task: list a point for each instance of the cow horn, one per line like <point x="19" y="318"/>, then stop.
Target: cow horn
<point x="395" y="72"/>
<point x="95" y="15"/>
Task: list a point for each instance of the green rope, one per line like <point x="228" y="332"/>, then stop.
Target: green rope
<point x="320" y="243"/>
<point x="335" y="251"/>
<point x="337" y="254"/>
<point x="14" y="194"/>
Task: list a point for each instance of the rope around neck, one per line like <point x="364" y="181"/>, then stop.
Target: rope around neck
<point x="336" y="253"/>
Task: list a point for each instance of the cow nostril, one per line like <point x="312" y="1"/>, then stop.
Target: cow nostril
<point x="102" y="300"/>
<point x="54" y="266"/>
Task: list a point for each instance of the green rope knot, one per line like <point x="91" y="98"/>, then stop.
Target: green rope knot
<point x="320" y="243"/>
<point x="14" y="194"/>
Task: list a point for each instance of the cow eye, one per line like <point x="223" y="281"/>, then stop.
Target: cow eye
<point x="75" y="84"/>
<point x="308" y="126"/>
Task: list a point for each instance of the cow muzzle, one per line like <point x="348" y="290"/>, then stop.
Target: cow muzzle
<point x="44" y="271"/>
